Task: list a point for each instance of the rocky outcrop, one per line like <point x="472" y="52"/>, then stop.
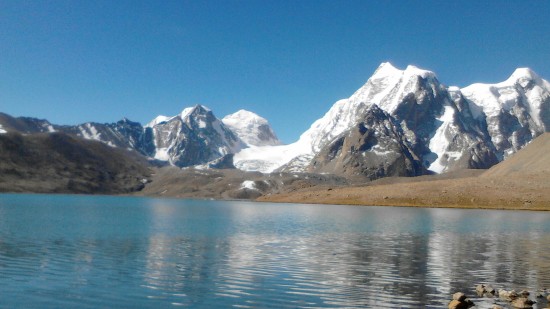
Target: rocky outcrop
<point x="374" y="148"/>
<point x="482" y="289"/>
<point x="460" y="301"/>
<point x="523" y="303"/>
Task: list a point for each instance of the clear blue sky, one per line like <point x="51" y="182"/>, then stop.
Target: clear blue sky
<point x="289" y="61"/>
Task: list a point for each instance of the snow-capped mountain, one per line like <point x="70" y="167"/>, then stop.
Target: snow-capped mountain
<point x="193" y="137"/>
<point x="443" y="128"/>
<point x="252" y="129"/>
<point x="124" y="134"/>
<point x="516" y="110"/>
<point x="399" y="123"/>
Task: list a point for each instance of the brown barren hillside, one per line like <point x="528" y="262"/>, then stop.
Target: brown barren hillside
<point x="533" y="159"/>
<point x="520" y="182"/>
<point x="60" y="163"/>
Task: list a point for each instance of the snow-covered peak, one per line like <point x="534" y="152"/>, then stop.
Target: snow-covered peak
<point x="389" y="85"/>
<point x="412" y="70"/>
<point x="244" y="116"/>
<point x="386" y="69"/>
<point x="505" y="95"/>
<point x="252" y="129"/>
<point x="185" y="113"/>
<point x="523" y="73"/>
<point x="525" y="77"/>
<point x="197" y="109"/>
<point x="157" y="120"/>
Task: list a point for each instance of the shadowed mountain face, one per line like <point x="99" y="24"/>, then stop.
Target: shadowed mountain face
<point x="374" y="148"/>
<point x="59" y="163"/>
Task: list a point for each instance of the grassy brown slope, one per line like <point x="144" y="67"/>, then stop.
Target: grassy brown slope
<point x="520" y="182"/>
<point x="58" y="163"/>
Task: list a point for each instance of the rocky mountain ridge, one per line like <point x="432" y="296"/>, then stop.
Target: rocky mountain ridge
<point x="400" y="123"/>
<point x="442" y="127"/>
<point x="193" y="137"/>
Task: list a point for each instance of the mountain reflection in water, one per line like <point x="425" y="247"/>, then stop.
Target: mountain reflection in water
<point x="67" y="251"/>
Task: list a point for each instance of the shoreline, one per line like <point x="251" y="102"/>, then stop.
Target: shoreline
<point x="479" y="207"/>
<point x="285" y="199"/>
<point x="525" y="192"/>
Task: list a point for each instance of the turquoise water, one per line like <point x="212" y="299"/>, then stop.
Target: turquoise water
<point x="61" y="251"/>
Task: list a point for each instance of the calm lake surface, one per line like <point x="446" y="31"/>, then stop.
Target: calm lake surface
<point x="60" y="251"/>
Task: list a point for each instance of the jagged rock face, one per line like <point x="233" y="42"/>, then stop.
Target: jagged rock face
<point x="124" y="134"/>
<point x="437" y="126"/>
<point x="374" y="148"/>
<point x="252" y="129"/>
<point x="194" y="137"/>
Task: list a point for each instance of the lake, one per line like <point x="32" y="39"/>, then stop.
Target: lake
<point x="68" y="251"/>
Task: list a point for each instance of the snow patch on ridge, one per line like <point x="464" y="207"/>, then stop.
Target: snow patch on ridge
<point x="379" y="151"/>
<point x="440" y="142"/>
<point x="249" y="184"/>
<point x="90" y="132"/>
<point x="162" y="154"/>
<point x="2" y="131"/>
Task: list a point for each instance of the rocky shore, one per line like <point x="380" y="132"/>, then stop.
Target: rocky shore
<point x="501" y="298"/>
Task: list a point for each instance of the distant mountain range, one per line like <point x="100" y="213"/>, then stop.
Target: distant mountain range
<point x="400" y="123"/>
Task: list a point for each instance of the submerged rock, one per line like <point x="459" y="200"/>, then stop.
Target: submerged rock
<point x="523" y="303"/>
<point x="455" y="304"/>
<point x="508" y="295"/>
<point x="460" y="301"/>
<point x="459" y="296"/>
<point x="482" y="289"/>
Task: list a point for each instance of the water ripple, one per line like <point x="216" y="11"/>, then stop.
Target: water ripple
<point x="95" y="252"/>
